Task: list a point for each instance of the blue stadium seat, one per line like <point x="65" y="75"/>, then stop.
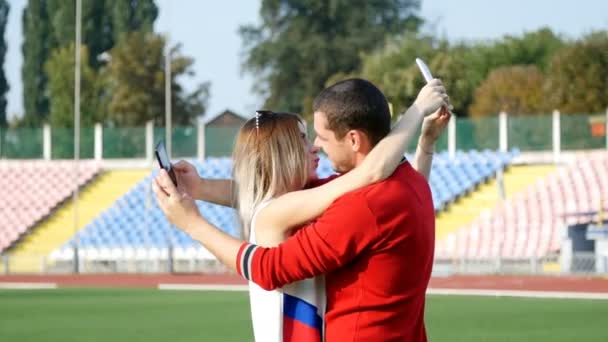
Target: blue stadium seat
<point x="129" y="222"/>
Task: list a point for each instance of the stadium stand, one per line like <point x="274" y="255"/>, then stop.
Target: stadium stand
<point x="51" y="233"/>
<point x="453" y="178"/>
<point x="134" y="223"/>
<point x="528" y="224"/>
<point x="463" y="212"/>
<point x="31" y="190"/>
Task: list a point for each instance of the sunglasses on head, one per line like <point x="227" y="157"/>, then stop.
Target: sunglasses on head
<point x="262" y="114"/>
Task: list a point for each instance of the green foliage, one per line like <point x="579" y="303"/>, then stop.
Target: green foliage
<point x="462" y="66"/>
<point x="301" y="43"/>
<point x="36" y="49"/>
<point x="465" y="66"/>
<point x="50" y="25"/>
<point x="95" y="26"/>
<point x="137" y="75"/>
<point x="516" y="90"/>
<point x="392" y="70"/>
<point x="532" y="48"/>
<point x="129" y="16"/>
<point x="577" y="76"/>
<point x="60" y="68"/>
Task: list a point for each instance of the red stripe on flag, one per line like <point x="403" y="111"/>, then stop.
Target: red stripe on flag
<point x="295" y="331"/>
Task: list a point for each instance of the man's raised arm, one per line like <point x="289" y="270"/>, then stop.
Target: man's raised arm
<point x="432" y="128"/>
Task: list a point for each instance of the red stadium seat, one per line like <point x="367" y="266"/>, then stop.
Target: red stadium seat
<point x="30" y="190"/>
<point x="528" y="224"/>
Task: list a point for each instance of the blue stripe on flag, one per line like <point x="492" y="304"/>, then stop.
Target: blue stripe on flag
<point x="301" y="311"/>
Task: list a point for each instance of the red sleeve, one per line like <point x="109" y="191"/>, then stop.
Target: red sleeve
<point x="346" y="229"/>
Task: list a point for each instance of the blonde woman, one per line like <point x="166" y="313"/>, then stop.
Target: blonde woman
<point x="273" y="159"/>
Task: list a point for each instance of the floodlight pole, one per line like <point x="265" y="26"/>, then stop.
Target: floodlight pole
<point x="168" y="113"/>
<point x="77" y="128"/>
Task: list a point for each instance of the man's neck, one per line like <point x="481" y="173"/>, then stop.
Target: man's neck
<point x="359" y="157"/>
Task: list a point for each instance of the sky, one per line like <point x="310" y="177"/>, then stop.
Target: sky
<point x="208" y="32"/>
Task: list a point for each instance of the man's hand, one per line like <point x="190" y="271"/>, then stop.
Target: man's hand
<point x="188" y="180"/>
<point x="434" y="125"/>
<point x="179" y="207"/>
<point x="432" y="96"/>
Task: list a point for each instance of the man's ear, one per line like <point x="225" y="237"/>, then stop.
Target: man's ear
<point x="358" y="141"/>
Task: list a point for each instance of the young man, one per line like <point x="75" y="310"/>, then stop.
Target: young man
<point x="375" y="244"/>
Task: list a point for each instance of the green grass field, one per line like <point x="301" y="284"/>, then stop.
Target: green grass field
<point x="67" y="315"/>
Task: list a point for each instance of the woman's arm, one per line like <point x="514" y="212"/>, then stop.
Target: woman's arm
<point x="298" y="207"/>
<point x="218" y="191"/>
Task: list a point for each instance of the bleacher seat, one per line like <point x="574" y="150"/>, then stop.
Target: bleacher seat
<point x="135" y="221"/>
<point x="528" y="224"/>
<point x="30" y="190"/>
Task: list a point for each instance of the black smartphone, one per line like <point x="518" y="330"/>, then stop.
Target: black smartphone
<point x="163" y="160"/>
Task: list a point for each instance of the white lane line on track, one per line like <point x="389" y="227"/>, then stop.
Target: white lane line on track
<point x="27" y="286"/>
<point x="430" y="291"/>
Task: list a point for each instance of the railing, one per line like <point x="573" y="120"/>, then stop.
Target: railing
<point x="163" y="260"/>
<point x="551" y="132"/>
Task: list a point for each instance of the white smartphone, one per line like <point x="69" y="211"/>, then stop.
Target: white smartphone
<point x="426" y="73"/>
<point x="424" y="69"/>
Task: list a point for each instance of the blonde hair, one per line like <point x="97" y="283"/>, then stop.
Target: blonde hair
<point x="269" y="160"/>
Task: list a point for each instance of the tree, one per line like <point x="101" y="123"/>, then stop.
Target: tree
<point x="4" y="9"/>
<point x="393" y="69"/>
<point x="301" y="43"/>
<point x="129" y="16"/>
<point x="103" y="22"/>
<point x="60" y="68"/>
<point x="472" y="64"/>
<point x="577" y="77"/>
<point x="96" y="28"/>
<point x="137" y="75"/>
<point x="459" y="70"/>
<point x="462" y="65"/>
<point x="532" y="48"/>
<point x="36" y="49"/>
<point x="517" y="90"/>
<point x="50" y="24"/>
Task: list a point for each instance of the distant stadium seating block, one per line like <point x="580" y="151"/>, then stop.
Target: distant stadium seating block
<point x="30" y="190"/>
<point x="136" y="222"/>
<point x="528" y="225"/>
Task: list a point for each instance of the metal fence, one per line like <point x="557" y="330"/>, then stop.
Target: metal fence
<point x="527" y="133"/>
<point x="582" y="264"/>
<point x="163" y="260"/>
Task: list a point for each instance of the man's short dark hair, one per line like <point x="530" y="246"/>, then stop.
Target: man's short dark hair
<point x="355" y="104"/>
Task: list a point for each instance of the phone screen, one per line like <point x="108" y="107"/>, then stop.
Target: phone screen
<point x="163" y="160"/>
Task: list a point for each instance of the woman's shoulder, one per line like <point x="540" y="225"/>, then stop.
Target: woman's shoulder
<point x="261" y="206"/>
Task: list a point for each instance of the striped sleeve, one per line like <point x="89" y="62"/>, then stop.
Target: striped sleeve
<point x="243" y="260"/>
<point x="345" y="230"/>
